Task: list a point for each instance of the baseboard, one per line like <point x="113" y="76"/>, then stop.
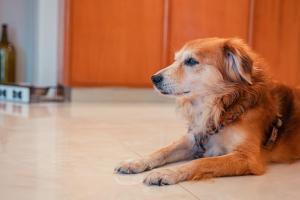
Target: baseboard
<point x="118" y="95"/>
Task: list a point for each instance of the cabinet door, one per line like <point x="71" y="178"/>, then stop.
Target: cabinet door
<point x="115" y="42"/>
<point x="276" y="37"/>
<point x="192" y="19"/>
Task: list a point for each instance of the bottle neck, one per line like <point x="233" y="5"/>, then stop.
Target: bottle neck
<point x="4" y="38"/>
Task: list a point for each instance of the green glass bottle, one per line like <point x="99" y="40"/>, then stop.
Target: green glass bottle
<point x="7" y="58"/>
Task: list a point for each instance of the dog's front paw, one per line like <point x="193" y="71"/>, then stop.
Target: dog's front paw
<point x="132" y="166"/>
<point x="163" y="177"/>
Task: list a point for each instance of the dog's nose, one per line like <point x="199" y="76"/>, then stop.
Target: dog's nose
<point x="157" y="78"/>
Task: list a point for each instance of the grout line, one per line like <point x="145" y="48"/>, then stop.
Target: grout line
<point x="179" y="185"/>
<point x="131" y="150"/>
<point x="188" y="191"/>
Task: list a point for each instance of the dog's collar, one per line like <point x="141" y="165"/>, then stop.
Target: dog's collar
<point x="273" y="135"/>
<point x="199" y="148"/>
<point x="202" y="139"/>
<point x="281" y="120"/>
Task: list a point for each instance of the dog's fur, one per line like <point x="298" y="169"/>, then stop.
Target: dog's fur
<point x="224" y="82"/>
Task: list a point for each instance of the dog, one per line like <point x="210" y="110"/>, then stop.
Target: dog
<point x="239" y="120"/>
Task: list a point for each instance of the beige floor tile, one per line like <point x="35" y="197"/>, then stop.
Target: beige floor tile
<point x="68" y="151"/>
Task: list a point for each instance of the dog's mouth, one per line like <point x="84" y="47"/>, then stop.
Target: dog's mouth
<point x="174" y="93"/>
<point x="167" y="89"/>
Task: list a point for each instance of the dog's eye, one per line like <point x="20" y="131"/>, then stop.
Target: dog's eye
<point x="190" y="62"/>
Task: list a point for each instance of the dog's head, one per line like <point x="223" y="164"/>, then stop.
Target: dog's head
<point x="204" y="64"/>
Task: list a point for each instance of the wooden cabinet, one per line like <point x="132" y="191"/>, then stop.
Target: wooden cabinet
<point x="122" y="43"/>
<point x="276" y="37"/>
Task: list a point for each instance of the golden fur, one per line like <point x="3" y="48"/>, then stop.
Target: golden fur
<point x="226" y="84"/>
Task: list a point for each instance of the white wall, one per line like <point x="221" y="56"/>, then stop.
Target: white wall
<point x="33" y="29"/>
<point x="46" y="43"/>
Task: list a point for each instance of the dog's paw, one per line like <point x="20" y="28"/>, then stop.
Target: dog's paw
<point x="132" y="166"/>
<point x="163" y="177"/>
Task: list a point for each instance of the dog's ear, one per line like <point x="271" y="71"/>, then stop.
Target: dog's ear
<point x="238" y="63"/>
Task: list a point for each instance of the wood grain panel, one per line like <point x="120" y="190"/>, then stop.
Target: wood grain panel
<point x="192" y="19"/>
<point x="276" y="37"/>
<point x="115" y="42"/>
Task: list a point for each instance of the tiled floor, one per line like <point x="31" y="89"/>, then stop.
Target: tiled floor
<point x="68" y="151"/>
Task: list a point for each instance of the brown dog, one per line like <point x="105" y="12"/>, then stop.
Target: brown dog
<point x="238" y="119"/>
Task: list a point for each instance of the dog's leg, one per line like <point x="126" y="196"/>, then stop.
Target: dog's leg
<point x="177" y="151"/>
<point x="227" y="165"/>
